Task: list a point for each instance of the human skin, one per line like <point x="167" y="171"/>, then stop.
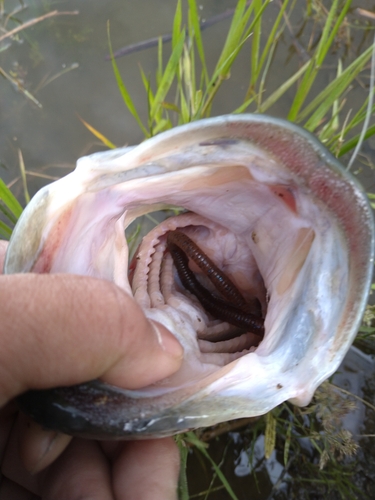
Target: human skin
<point x="40" y="348"/>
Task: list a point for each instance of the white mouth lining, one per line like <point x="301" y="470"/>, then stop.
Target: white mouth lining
<point x="155" y="284"/>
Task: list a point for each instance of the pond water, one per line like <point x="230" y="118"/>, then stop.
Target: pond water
<point x="241" y="453"/>
<point x="61" y="63"/>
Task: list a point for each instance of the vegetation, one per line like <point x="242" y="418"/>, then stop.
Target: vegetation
<point x="187" y="80"/>
<point x="311" y="443"/>
<point x="184" y="90"/>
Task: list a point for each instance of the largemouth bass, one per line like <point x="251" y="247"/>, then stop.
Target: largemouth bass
<point x="263" y="278"/>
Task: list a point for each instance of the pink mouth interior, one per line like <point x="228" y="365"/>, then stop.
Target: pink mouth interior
<point x="155" y="283"/>
<point x="261" y="245"/>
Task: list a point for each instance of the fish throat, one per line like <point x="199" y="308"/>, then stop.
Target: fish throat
<point x="173" y="271"/>
<point x="234" y="309"/>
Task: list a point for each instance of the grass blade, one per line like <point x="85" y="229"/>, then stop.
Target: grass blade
<point x="31" y="22"/>
<point x="202" y="448"/>
<point x="275" y="96"/>
<point x="323" y="102"/>
<point x="123" y="90"/>
<point x="159" y="71"/>
<point x="97" y="134"/>
<point x="255" y="46"/>
<point x="318" y="58"/>
<point x="9" y="200"/>
<point x="168" y="76"/>
<point x="244" y="106"/>
<point x="20" y="88"/>
<point x="272" y="37"/>
<point x="23" y="177"/>
<point x="288" y="437"/>
<point x="351" y="143"/>
<point x="183" y="482"/>
<point x="334" y="141"/>
<point x="327" y="39"/>
<point x="194" y="22"/>
<point x="369" y="110"/>
<point x="269" y="435"/>
<point x="8" y="214"/>
<point x="235" y="34"/>
<point x="5" y="231"/>
<point x="234" y="42"/>
<point x="220" y="475"/>
<point x="177" y="24"/>
<point x="147" y="85"/>
<point x="57" y="75"/>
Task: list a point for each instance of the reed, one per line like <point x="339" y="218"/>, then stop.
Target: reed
<point x="184" y="89"/>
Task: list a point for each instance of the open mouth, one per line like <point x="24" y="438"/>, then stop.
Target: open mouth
<point x="263" y="278"/>
<point x="207" y="271"/>
<point x="225" y="308"/>
<point x="222" y="268"/>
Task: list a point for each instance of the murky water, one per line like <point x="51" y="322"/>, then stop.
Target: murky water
<point x="61" y="63"/>
<point x="241" y="453"/>
<point x="52" y="137"/>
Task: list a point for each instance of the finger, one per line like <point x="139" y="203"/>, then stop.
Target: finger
<point x="66" y="329"/>
<point x="147" y="470"/>
<point x="30" y="449"/>
<point x="39" y="447"/>
<point x="12" y="491"/>
<point x="7" y="418"/>
<point x="3" y="247"/>
<point x="12" y="467"/>
<point x="81" y="472"/>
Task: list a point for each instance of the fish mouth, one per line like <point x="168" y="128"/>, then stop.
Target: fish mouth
<point x="218" y="277"/>
<point x="202" y="321"/>
<point x="212" y="299"/>
<point x="276" y="217"/>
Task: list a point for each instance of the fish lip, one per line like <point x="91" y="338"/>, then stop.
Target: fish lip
<point x="233" y="123"/>
<point x="61" y="409"/>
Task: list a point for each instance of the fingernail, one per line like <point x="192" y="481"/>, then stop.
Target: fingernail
<point x="168" y="341"/>
<point x="46" y="444"/>
<point x="39" y="447"/>
<point x="56" y="445"/>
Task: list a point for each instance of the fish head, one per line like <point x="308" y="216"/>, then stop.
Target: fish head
<point x="265" y="202"/>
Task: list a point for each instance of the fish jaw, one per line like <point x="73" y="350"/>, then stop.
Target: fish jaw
<point x="286" y="207"/>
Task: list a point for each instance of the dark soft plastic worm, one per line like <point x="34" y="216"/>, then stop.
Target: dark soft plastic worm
<point x="221" y="282"/>
<point x="220" y="309"/>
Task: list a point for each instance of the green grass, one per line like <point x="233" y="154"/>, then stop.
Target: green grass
<point x="10" y="208"/>
<point x="184" y="89"/>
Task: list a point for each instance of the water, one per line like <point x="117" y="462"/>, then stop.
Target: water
<point x="61" y="62"/>
<point x="53" y="137"/>
<point x="241" y="452"/>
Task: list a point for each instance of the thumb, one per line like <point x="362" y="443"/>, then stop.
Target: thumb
<point x="65" y="329"/>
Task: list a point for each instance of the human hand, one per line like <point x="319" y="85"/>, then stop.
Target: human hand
<point x="40" y="348"/>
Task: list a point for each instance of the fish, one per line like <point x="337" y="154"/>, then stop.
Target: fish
<point x="266" y="223"/>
